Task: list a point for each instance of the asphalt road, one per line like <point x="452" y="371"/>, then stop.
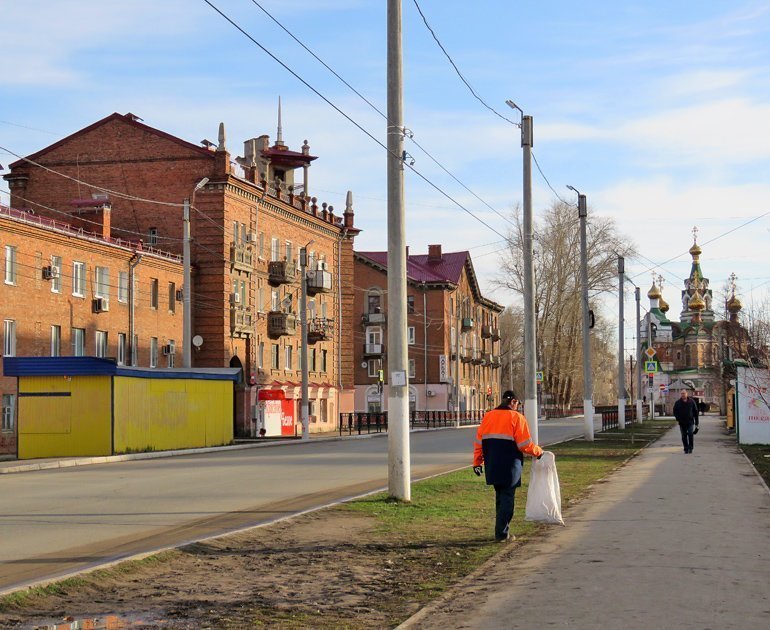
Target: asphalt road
<point x="57" y="522"/>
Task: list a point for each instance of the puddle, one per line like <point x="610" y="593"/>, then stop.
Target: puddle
<point x="105" y="622"/>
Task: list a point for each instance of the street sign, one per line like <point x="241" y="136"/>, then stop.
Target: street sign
<point x="650" y="352"/>
<point x="651" y="367"/>
<point x="539" y="376"/>
<point x="663" y="389"/>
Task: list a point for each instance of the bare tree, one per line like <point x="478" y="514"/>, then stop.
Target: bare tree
<point x="557" y="291"/>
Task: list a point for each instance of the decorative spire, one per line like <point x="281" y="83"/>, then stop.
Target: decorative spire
<point x="654" y="292"/>
<point x="222" y="145"/>
<point x="662" y="304"/>
<point x="733" y="304"/>
<point x="279" y="135"/>
<point x="695" y="250"/>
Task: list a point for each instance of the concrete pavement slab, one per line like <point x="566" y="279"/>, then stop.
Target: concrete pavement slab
<point x="669" y="541"/>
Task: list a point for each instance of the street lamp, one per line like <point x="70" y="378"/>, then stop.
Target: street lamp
<point x="588" y="410"/>
<point x="304" y="404"/>
<point x="186" y="289"/>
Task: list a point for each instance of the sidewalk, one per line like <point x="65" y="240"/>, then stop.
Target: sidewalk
<point x="670" y="540"/>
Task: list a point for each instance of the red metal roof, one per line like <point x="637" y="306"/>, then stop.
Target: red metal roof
<point x="420" y="269"/>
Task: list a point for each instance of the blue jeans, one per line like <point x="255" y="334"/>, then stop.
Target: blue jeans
<point x="687" y="438"/>
<point x="504" y="497"/>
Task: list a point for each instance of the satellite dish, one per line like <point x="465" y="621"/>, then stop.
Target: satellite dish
<point x="197" y="341"/>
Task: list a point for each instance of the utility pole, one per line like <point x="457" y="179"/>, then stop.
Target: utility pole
<point x="649" y="378"/>
<point x="186" y="289"/>
<point x="399" y="486"/>
<point x="588" y="387"/>
<point x="621" y="356"/>
<point x="639" y="358"/>
<point x="305" y="403"/>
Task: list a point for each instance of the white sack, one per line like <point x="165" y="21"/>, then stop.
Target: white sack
<point x="543" y="494"/>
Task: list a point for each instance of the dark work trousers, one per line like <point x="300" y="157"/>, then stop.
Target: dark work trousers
<point x="504" y="496"/>
<point x="687" y="437"/>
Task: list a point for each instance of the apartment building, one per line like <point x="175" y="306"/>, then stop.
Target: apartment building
<point x="74" y="290"/>
<point x="453" y="335"/>
<point x="249" y="220"/>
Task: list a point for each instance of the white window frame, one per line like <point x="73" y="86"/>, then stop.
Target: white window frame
<point x="101" y="341"/>
<point x="78" y="278"/>
<point x="373" y="335"/>
<point x="373" y="370"/>
<point x="10" y="265"/>
<point x="171" y="357"/>
<point x="102" y="283"/>
<point x="152" y="236"/>
<point x="56" y="262"/>
<point x="78" y="342"/>
<point x="288" y="251"/>
<point x="412" y="368"/>
<point x="261" y="253"/>
<point x="8" y="413"/>
<point x="411" y="335"/>
<point x="261" y="355"/>
<point x="55" y="340"/>
<point x="172" y="297"/>
<point x="275" y="357"/>
<point x="275" y="248"/>
<point x="9" y="337"/>
<point x="153" y="352"/>
<point x="275" y="300"/>
<point x="123" y="286"/>
<point x="288" y="358"/>
<point x="154" y="289"/>
<point x="122" y="345"/>
<point x="324" y="361"/>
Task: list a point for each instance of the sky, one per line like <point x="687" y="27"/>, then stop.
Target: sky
<point x="658" y="111"/>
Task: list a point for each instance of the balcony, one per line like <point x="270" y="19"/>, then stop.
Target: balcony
<point x="495" y="334"/>
<point x="374" y="318"/>
<point x="486" y="332"/>
<point x="280" y="324"/>
<point x="281" y="272"/>
<point x="477" y="358"/>
<point x="319" y="329"/>
<point x="373" y="349"/>
<point x="467" y="324"/>
<point x="318" y="281"/>
<point x="495" y="361"/>
<point x="466" y="356"/>
<point x="241" y="322"/>
<point x="487" y="359"/>
<point x="241" y="257"/>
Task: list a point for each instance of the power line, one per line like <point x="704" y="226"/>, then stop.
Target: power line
<point x="347" y="117"/>
<point x="558" y="196"/>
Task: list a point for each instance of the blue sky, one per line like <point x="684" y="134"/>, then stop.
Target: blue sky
<point x="658" y="111"/>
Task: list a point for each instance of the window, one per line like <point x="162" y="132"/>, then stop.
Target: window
<point x="78" y="279"/>
<point x="78" y="342"/>
<point x="451" y="307"/>
<point x="275" y="249"/>
<point x="102" y="284"/>
<point x="324" y="357"/>
<point x="311" y="360"/>
<point x="153" y="352"/>
<point x="171" y="297"/>
<point x="411" y="368"/>
<point x="274" y="301"/>
<point x="152" y="236"/>
<point x="122" y="340"/>
<point x="171" y="355"/>
<point x="274" y="356"/>
<point x="410" y="304"/>
<point x="101" y="343"/>
<point x="122" y="286"/>
<point x="9" y="338"/>
<point x="55" y="341"/>
<point x="410" y="335"/>
<point x="289" y="352"/>
<point x="373" y="335"/>
<point x="261" y="355"/>
<point x="373" y="368"/>
<point x="56" y="266"/>
<point x="373" y="302"/>
<point x="154" y="293"/>
<point x="135" y="351"/>
<point x="236" y="233"/>
<point x="261" y="245"/>
<point x="453" y="338"/>
<point x="260" y="299"/>
<point x="299" y="358"/>
<point x="288" y="251"/>
<point x="243" y="293"/>
<point x="8" y="411"/>
<point x="10" y="264"/>
<point x="312" y="261"/>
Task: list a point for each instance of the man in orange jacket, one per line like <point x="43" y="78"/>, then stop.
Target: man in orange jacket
<point x="501" y="442"/>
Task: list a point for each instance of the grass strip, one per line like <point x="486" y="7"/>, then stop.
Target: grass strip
<point x="759" y="455"/>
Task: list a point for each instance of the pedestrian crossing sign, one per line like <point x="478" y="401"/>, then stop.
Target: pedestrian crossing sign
<point x="651" y="367"/>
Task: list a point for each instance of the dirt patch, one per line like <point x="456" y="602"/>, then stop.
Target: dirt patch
<point x="325" y="569"/>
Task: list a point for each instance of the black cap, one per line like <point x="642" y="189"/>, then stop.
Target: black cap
<point x="509" y="395"/>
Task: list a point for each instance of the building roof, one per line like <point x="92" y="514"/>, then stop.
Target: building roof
<point x="448" y="270"/>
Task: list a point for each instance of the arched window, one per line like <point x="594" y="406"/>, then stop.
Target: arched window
<point x="374" y="301"/>
<point x="687" y="356"/>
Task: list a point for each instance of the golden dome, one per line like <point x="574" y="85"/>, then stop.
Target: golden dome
<point x="734" y="304"/>
<point x="654" y="292"/>
<point x="695" y="250"/>
<point x="663" y="305"/>
<point x="696" y="302"/>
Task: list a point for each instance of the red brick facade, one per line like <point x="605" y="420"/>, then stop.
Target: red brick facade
<point x="65" y="291"/>
<point x="236" y="214"/>
<point x="437" y="304"/>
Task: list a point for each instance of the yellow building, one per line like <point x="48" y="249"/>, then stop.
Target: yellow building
<point x="86" y="406"/>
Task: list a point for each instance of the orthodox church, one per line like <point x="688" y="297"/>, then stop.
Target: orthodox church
<point x="698" y="351"/>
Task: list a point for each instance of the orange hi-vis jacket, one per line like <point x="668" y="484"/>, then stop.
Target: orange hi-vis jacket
<point x="501" y="440"/>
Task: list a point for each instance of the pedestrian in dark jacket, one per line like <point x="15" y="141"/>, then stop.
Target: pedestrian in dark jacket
<point x="686" y="414"/>
<point x="501" y="441"/>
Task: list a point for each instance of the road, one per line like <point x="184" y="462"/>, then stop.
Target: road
<point x="56" y="522"/>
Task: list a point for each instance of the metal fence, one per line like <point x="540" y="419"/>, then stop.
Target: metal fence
<point x="610" y="415"/>
<point x="362" y="422"/>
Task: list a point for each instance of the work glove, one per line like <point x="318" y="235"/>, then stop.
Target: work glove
<point x="478" y="470"/>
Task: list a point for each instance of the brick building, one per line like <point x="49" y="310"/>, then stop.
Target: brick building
<point x="68" y="291"/>
<point x="248" y="222"/>
<point x="452" y="329"/>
